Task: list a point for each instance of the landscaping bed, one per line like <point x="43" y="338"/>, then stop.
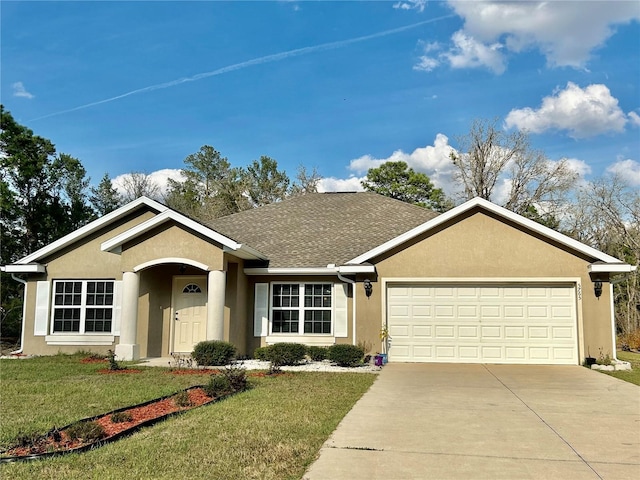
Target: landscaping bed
<point x="112" y="426"/>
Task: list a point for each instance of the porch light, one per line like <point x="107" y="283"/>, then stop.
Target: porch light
<point x="368" y="288"/>
<point x="597" y="288"/>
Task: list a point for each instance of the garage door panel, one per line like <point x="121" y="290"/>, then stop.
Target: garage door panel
<point x="425" y="331"/>
<point x="483" y="323"/>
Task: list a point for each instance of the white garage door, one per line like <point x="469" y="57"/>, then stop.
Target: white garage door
<point x="482" y="323"/>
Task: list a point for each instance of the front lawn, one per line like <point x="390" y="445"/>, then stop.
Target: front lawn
<point x="273" y="431"/>
<point x="631" y="376"/>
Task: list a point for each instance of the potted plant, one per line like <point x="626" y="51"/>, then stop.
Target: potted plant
<point x="384" y="337"/>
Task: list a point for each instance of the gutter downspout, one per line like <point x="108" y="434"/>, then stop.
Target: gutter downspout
<point x="24" y="313"/>
<point x="353" y="306"/>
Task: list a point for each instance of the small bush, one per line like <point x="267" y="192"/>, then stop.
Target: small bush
<point x="261" y="353"/>
<point x="113" y="364"/>
<point x="29" y="439"/>
<point x="317" y="354"/>
<point x="86" y="431"/>
<point x="217" y="386"/>
<point x="345" y="355"/>
<point x="232" y="379"/>
<point x="181" y="399"/>
<point x="121" y="417"/>
<point x="629" y="341"/>
<point x="213" y="352"/>
<point x="286" y="353"/>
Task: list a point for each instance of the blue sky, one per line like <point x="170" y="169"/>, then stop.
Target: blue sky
<point x="339" y="86"/>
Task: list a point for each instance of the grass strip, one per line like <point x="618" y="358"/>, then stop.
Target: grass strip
<point x="272" y="431"/>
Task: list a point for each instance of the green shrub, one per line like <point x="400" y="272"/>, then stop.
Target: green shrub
<point x="232" y="379"/>
<point x="317" y="354"/>
<point x="261" y="353"/>
<point x="213" y="352"/>
<point x="286" y="353"/>
<point x="121" y="417"/>
<point x="181" y="399"/>
<point x="345" y="355"/>
<point x="86" y="431"/>
<point x="217" y="386"/>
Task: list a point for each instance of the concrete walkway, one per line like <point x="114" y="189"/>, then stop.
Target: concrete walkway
<point x="441" y="421"/>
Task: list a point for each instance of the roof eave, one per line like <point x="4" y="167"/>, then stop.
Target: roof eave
<point x="28" y="268"/>
<point x="611" y="268"/>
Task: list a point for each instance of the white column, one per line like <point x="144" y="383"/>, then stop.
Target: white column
<point x="215" y="305"/>
<point x="128" y="348"/>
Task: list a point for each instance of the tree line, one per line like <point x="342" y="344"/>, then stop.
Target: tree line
<point x="45" y="195"/>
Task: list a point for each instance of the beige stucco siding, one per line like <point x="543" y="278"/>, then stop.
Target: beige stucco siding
<point x="480" y="246"/>
<point x="171" y="241"/>
<point x="84" y="259"/>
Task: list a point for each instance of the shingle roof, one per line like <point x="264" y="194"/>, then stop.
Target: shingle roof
<point x="315" y="230"/>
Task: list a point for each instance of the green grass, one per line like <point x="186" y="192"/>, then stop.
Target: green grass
<point x="272" y="431"/>
<point x="631" y="376"/>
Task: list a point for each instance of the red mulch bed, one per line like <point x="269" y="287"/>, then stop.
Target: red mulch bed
<point x="139" y="415"/>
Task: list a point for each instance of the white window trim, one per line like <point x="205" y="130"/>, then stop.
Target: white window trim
<point x="77" y="336"/>
<point x="300" y="336"/>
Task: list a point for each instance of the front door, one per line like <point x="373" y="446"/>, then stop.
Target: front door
<point x="189" y="312"/>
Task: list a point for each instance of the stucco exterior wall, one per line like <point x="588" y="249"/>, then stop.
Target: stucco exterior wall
<point x="481" y="246"/>
<point x="171" y="241"/>
<point x="82" y="260"/>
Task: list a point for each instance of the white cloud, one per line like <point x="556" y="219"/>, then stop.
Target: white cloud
<point x="411" y="5"/>
<point x="426" y="64"/>
<point x="159" y="178"/>
<point x="467" y="52"/>
<point x="20" y="91"/>
<point x="332" y="184"/>
<point x="581" y="167"/>
<point x="634" y="118"/>
<point x="628" y="169"/>
<point x="564" y="32"/>
<point x="433" y="160"/>
<point x="582" y="112"/>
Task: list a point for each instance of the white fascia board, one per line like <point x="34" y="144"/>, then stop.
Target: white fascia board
<point x="246" y="252"/>
<point x="30" y="268"/>
<point x="92" y="227"/>
<point x="351" y="269"/>
<point x="501" y="211"/>
<point x="166" y="216"/>
<point x="611" y="268"/>
<point x="290" y="271"/>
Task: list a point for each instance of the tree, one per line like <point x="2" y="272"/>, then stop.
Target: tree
<point x="305" y="182"/>
<point x="396" y="180"/>
<point x="490" y="154"/>
<point x="105" y="198"/>
<point x="136" y="185"/>
<point x="265" y="183"/>
<point x="211" y="189"/>
<point x="42" y="198"/>
<point x="606" y="215"/>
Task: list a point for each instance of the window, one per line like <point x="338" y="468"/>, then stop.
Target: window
<point x="83" y="306"/>
<point x="301" y="308"/>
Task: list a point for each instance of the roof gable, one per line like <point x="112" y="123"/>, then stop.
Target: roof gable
<point x="500" y="212"/>
<point x="89" y="228"/>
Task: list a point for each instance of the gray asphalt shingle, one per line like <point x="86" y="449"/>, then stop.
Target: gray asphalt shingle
<point x="318" y="229"/>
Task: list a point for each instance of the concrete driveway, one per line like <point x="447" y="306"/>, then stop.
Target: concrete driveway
<point x="440" y="421"/>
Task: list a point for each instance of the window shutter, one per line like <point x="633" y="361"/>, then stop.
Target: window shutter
<point x="340" y="323"/>
<point x="42" y="308"/>
<point x="117" y="306"/>
<point x="261" y="310"/>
